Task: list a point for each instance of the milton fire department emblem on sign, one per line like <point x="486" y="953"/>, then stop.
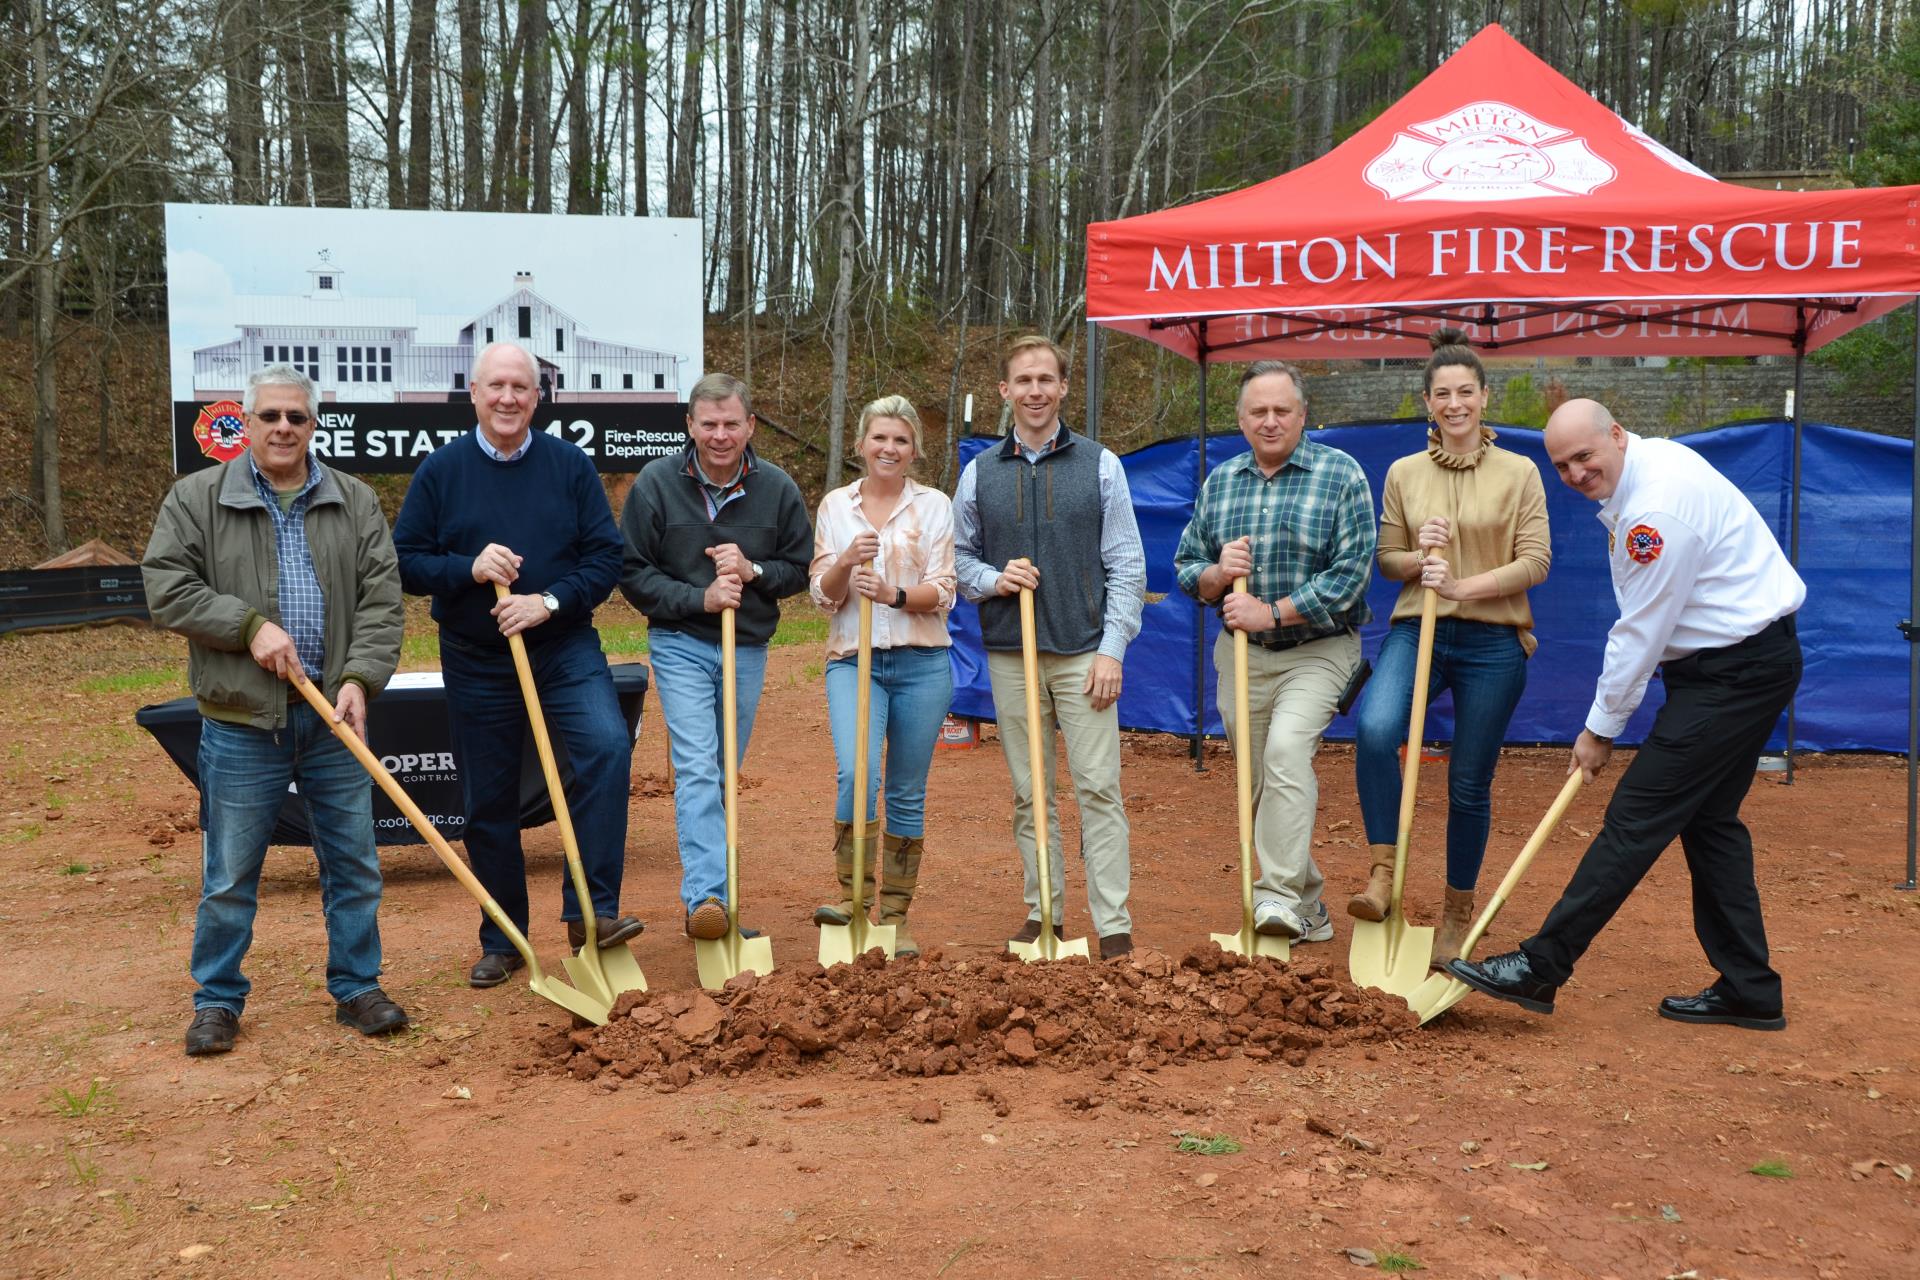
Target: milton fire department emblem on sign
<point x="221" y="430"/>
<point x="1486" y="151"/>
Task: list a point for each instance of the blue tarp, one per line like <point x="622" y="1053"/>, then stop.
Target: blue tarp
<point x="1855" y="549"/>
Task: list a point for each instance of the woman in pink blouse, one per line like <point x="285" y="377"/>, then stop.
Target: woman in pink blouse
<point x="889" y="538"/>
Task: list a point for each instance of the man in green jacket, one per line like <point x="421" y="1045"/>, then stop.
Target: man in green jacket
<point x="273" y="565"/>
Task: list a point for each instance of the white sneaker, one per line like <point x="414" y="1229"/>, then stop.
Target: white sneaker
<point x="1317" y="924"/>
<point x="1277" y="920"/>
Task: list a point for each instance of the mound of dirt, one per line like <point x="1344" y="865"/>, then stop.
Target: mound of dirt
<point x="933" y="1016"/>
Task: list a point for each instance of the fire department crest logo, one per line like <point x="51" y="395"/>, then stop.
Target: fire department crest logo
<point x="221" y="430"/>
<point x="1486" y="151"/>
<point x="1644" y="544"/>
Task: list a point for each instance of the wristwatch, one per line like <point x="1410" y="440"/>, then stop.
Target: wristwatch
<point x="552" y="602"/>
<point x="1275" y="607"/>
<point x="899" y="597"/>
<point x="755" y="566"/>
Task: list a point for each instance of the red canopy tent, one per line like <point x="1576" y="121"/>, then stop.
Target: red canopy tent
<point x="1499" y="197"/>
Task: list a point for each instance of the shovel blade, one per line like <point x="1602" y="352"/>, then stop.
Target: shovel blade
<point x="1390" y="955"/>
<point x="610" y="971"/>
<point x="845" y="943"/>
<point x="1439" y="993"/>
<point x="730" y="956"/>
<point x="1249" y="943"/>
<point x="1050" y="947"/>
<point x="578" y="1003"/>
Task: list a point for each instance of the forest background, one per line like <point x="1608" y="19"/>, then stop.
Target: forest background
<point x="887" y="188"/>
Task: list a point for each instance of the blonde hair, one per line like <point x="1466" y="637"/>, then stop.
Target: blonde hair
<point x="895" y="407"/>
<point x="1032" y="342"/>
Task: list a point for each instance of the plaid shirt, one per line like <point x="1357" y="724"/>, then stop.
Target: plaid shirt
<point x="303" y="605"/>
<point x="1312" y="529"/>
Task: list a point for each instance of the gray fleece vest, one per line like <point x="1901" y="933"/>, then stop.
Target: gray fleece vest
<point x="1049" y="512"/>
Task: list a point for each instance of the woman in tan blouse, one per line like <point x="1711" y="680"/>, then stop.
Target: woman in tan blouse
<point x="1469" y="520"/>
<point x="889" y="538"/>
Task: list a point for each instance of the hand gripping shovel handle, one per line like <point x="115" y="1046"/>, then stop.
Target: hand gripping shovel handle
<point x="403" y="802"/>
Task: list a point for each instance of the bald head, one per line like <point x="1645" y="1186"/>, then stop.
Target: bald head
<point x="512" y="352"/>
<point x="1587" y="447"/>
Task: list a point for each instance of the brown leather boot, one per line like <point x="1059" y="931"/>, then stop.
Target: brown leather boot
<point x="1455" y="919"/>
<point x="842" y="912"/>
<point x="900" y="876"/>
<point x="1371" y="903"/>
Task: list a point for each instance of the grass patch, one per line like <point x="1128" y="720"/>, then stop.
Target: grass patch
<point x="1772" y="1169"/>
<point x="22" y="835"/>
<point x="1206" y="1144"/>
<point x="800" y="628"/>
<point x="75" y="869"/>
<point x="85" y="1172"/>
<point x="624" y="639"/>
<point x="73" y="1105"/>
<point x="419" y="646"/>
<point x="1394" y="1262"/>
<point x="134" y="681"/>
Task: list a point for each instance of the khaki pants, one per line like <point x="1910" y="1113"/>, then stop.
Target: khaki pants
<point x="1093" y="758"/>
<point x="1291" y="695"/>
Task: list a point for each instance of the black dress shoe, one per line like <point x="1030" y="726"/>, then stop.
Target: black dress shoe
<point x="211" y="1031"/>
<point x="491" y="969"/>
<point x="370" y="1013"/>
<point x="1116" y="944"/>
<point x="1508" y="976"/>
<point x="1711" y="1006"/>
<point x="608" y="932"/>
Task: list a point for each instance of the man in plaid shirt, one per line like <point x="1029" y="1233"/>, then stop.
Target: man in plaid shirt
<point x="1296" y="519"/>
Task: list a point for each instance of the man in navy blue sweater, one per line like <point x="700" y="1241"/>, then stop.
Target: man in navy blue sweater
<point x="713" y="529"/>
<point x="512" y="505"/>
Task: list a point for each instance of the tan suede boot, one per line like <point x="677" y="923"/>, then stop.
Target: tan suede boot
<point x="900" y="867"/>
<point x="841" y="913"/>
<point x="1371" y="903"/>
<point x="1455" y="920"/>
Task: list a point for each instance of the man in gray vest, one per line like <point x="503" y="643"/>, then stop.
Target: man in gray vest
<point x="1058" y="503"/>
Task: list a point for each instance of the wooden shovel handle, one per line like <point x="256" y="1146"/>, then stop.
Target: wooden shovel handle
<point x="1511" y="881"/>
<point x="1037" y="785"/>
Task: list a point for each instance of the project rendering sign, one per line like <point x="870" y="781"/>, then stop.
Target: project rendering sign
<point x="386" y="309"/>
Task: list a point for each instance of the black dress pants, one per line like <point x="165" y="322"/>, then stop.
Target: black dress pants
<point x="1687" y="780"/>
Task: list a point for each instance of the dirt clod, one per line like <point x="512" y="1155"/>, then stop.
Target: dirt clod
<point x="932" y="1016"/>
<point x="926" y="1111"/>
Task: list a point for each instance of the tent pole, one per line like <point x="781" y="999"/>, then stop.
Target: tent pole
<point x="1793" y="532"/>
<point x="1200" y="610"/>
<point x="1910" y="627"/>
<point x="1093" y="380"/>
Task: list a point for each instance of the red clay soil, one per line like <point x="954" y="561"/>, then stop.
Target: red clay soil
<point x="937" y="1017"/>
<point x="1599" y="1142"/>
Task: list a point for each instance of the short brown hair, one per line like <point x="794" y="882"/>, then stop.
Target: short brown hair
<point x="1449" y="349"/>
<point x="1032" y="342"/>
<point x="717" y="388"/>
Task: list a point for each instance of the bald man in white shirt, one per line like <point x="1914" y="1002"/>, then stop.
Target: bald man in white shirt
<point x="1706" y="594"/>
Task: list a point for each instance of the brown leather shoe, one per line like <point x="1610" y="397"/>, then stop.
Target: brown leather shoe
<point x="1456" y="920"/>
<point x="708" y="921"/>
<point x="608" y="931"/>
<point x="1028" y="932"/>
<point x="1114" y="945"/>
<point x="212" y="1031"/>
<point x="493" y="968"/>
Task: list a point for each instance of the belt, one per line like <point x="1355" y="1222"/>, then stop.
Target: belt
<point x="1280" y="646"/>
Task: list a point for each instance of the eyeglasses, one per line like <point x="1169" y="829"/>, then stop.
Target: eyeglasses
<point x="294" y="417"/>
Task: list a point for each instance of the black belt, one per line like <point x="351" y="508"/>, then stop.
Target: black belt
<point x="1279" y="646"/>
<point x="1778" y="628"/>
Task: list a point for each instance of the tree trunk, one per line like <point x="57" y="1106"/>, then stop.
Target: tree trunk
<point x="394" y="80"/>
<point x="680" y="186"/>
<point x="538" y="109"/>
<point x="853" y="128"/>
<point x="246" y="124"/>
<point x="780" y="249"/>
<point x="582" y="190"/>
<point x="420" y="75"/>
<point x="45" y="462"/>
<point x="326" y="57"/>
<point x="637" y="18"/>
<point x="473" y="105"/>
<point x="739" y="287"/>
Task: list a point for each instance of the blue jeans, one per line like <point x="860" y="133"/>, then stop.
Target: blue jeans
<point x="912" y="689"/>
<point x="488" y="715"/>
<point x="1484" y="665"/>
<point x="686" y="680"/>
<point x="244" y="777"/>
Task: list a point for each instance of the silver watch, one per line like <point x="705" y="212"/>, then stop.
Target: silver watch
<point x="755" y="566"/>
<point x="552" y="602"/>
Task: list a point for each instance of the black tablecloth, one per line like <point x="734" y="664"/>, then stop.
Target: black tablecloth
<point x="408" y="731"/>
